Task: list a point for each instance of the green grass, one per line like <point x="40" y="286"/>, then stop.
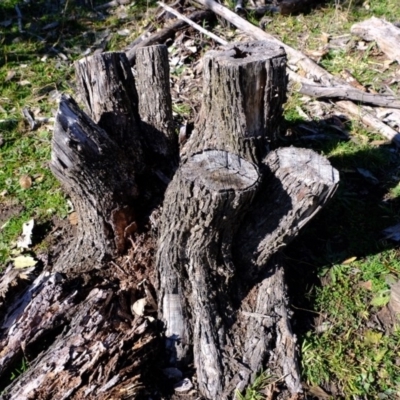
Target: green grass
<point x="257" y="390"/>
<point x="359" y="359"/>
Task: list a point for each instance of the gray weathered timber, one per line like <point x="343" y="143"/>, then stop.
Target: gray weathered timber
<point x="300" y="182"/>
<point x="104" y="81"/>
<point x="244" y="89"/>
<point x="155" y="105"/>
<point x="202" y="208"/>
<point x="81" y="361"/>
<point x="296" y="185"/>
<point x="385" y="34"/>
<point x="237" y="318"/>
<point x="218" y="286"/>
<point x="100" y="179"/>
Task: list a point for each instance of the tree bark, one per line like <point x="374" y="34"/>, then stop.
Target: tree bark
<point x="205" y="283"/>
<point x="212" y="254"/>
<point x="244" y="90"/>
<point x="155" y="106"/>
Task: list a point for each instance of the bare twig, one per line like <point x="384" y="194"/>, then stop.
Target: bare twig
<point x="28" y="115"/>
<point x="193" y="24"/>
<point x="107" y="5"/>
<point x="343" y="92"/>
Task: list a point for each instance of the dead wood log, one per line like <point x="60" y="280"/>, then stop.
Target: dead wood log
<point x="369" y="120"/>
<point x="386" y="35"/>
<point x="309" y="88"/>
<point x="177" y="14"/>
<point x="227" y="211"/>
<point x="225" y="215"/>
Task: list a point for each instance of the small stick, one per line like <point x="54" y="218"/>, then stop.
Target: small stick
<point x="193" y="24"/>
<point x="346" y="92"/>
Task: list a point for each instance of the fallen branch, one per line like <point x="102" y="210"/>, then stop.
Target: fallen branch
<point x="164" y="34"/>
<point x="193" y="24"/>
<point x="296" y="57"/>
<point x="343" y="92"/>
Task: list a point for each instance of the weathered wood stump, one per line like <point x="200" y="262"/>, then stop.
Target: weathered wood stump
<point x="210" y="260"/>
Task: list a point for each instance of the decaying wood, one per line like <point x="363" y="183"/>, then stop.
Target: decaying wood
<point x="94" y="356"/>
<point x="230" y="207"/>
<point x="105" y="80"/>
<point x="385" y="34"/>
<point x="233" y="324"/>
<point x="155" y="106"/>
<point x="343" y="92"/>
<point x="74" y="324"/>
<point x="295" y="57"/>
<point x="253" y="77"/>
<point x="82" y="153"/>
<point x="164" y="34"/>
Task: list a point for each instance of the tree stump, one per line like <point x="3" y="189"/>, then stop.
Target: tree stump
<point x="207" y="262"/>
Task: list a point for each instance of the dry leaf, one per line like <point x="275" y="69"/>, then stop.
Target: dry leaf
<point x="73" y="218"/>
<point x="24" y="262"/>
<point x="317" y="53"/>
<point x="325" y="37"/>
<point x="349" y="260"/>
<point x="39" y="178"/>
<point x="124" y="32"/>
<point x="349" y="78"/>
<point x="183" y="386"/>
<point x="10" y="75"/>
<point x="319" y="392"/>
<point x="25" y="181"/>
<point x="387" y="63"/>
<point x="366" y="285"/>
<point x="24" y="82"/>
